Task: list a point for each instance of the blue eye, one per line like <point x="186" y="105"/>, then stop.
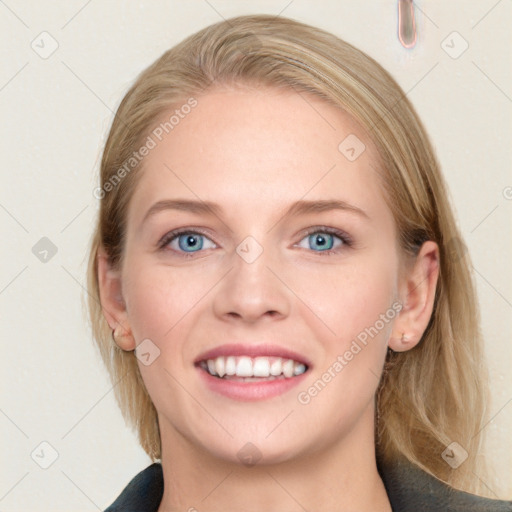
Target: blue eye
<point x="324" y="241"/>
<point x="187" y="241"/>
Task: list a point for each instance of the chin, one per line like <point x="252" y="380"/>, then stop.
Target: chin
<point x="256" y="449"/>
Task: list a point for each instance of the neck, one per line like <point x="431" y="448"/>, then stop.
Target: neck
<point x="341" y="478"/>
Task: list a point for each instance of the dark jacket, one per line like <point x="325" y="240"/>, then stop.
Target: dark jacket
<point x="409" y="489"/>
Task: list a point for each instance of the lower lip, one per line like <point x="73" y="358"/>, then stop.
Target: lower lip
<point x="248" y="391"/>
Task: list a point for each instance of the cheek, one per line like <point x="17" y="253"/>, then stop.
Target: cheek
<point x="350" y="297"/>
<point x="357" y="305"/>
<point x="162" y="303"/>
<point x="159" y="298"/>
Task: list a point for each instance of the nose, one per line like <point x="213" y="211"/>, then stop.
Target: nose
<point x="251" y="291"/>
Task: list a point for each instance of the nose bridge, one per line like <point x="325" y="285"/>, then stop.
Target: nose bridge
<point x="251" y="290"/>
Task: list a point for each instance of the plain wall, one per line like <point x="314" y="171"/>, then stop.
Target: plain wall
<point x="55" y="115"/>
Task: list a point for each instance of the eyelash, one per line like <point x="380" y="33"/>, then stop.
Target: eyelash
<point x="172" y="235"/>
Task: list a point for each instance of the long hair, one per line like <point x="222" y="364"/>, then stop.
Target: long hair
<point x="429" y="396"/>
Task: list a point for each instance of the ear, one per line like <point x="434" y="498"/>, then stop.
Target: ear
<point x="112" y="302"/>
<point x="417" y="293"/>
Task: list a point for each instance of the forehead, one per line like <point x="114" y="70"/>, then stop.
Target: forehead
<point x="260" y="148"/>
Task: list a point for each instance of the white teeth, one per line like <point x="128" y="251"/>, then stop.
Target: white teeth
<point x="220" y="366"/>
<point x="245" y="366"/>
<point x="230" y="365"/>
<point x="275" y="367"/>
<point x="211" y="366"/>
<point x="299" y="368"/>
<point x="261" y="367"/>
<point x="288" y="368"/>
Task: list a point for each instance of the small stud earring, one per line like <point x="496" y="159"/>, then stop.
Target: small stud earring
<point x="404" y="338"/>
<point x="121" y="337"/>
<point x="116" y="333"/>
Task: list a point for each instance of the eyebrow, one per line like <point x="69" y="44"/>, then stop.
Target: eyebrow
<point x="213" y="209"/>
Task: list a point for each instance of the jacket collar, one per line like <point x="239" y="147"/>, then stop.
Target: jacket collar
<point x="408" y="487"/>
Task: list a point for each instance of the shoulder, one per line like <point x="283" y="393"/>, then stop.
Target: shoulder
<point x="143" y="493"/>
<point x="411" y="488"/>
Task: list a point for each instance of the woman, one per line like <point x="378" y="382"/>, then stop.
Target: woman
<point x="278" y="287"/>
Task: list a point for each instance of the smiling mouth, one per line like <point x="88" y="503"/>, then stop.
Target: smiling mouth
<point x="252" y="369"/>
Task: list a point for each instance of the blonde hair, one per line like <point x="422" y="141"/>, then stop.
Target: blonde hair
<point x="429" y="396"/>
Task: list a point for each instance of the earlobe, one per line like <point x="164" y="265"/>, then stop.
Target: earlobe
<point x="112" y="302"/>
<point x="418" y="296"/>
<point x="123" y="338"/>
<point x="402" y="342"/>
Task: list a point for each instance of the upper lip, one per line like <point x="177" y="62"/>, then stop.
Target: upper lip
<point x="264" y="350"/>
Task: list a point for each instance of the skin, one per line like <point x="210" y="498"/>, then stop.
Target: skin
<point x="255" y="152"/>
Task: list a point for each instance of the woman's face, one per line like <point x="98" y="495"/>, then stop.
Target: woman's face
<point x="297" y="260"/>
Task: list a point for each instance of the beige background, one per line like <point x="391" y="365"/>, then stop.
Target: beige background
<point x="55" y="114"/>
